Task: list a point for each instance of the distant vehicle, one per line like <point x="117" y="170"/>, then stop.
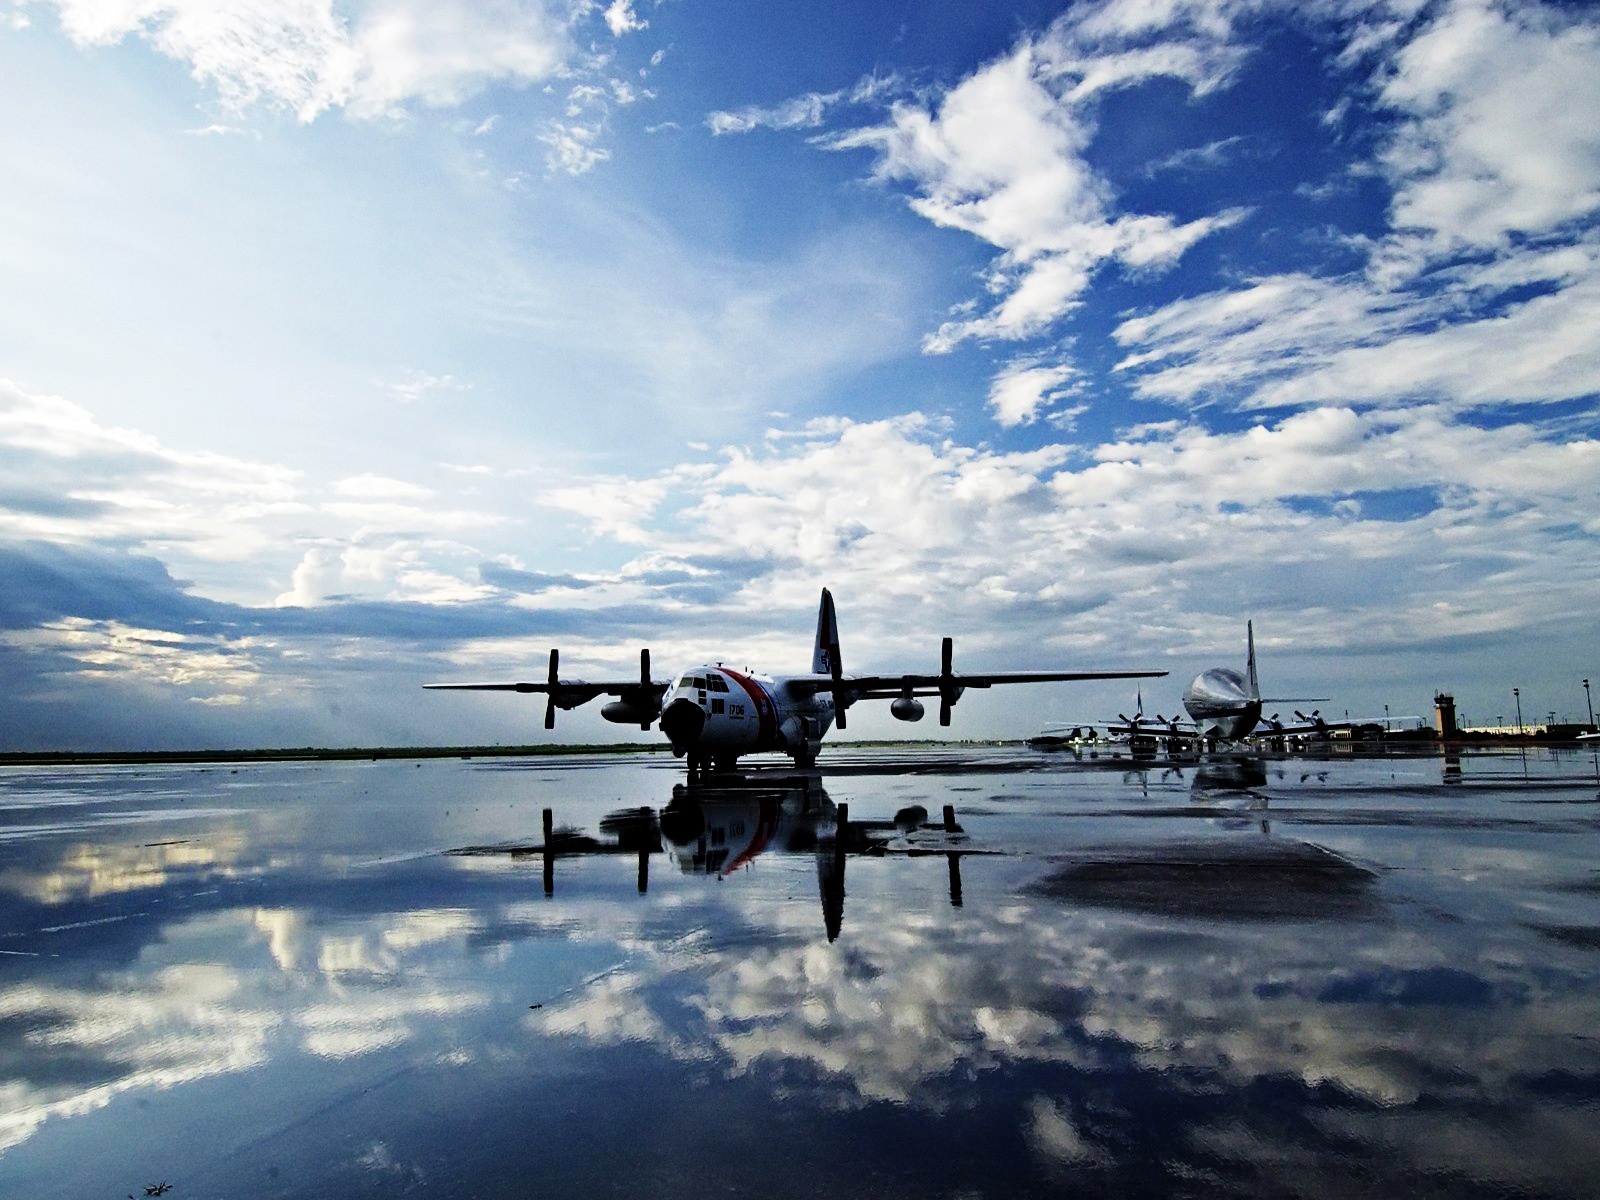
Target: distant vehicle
<point x="713" y="714"/>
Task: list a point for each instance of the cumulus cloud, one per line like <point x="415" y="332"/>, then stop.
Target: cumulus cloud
<point x="899" y="518"/>
<point x="370" y="58"/>
<point x="1025" y="387"/>
<point x="1002" y="156"/>
<point x="620" y="18"/>
<point x="1496" y="137"/>
<point x="1484" y="291"/>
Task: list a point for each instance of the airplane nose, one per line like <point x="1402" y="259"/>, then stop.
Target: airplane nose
<point x="682" y="722"/>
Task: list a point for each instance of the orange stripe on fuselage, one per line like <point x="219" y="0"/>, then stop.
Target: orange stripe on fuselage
<point x="766" y="708"/>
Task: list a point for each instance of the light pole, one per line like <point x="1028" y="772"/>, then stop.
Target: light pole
<point x="1589" y="703"/>
<point x="1386" y="718"/>
<point x="1516" y="694"/>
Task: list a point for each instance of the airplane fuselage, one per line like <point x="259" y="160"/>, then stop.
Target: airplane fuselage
<point x="716" y="713"/>
<point x="1220" y="703"/>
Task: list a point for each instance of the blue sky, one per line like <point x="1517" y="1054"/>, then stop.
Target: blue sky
<point x="347" y="346"/>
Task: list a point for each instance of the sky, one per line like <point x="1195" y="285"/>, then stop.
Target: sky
<point x="350" y="346"/>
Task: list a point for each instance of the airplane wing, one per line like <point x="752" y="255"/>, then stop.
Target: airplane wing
<point x="877" y="687"/>
<point x="642" y="695"/>
<point x="946" y="684"/>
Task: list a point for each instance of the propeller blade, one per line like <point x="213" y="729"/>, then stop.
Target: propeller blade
<point x="838" y="704"/>
<point x="644" y="681"/>
<point x="550" y="701"/>
<point x="946" y="682"/>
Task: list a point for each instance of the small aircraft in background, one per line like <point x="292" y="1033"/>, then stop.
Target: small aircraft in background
<point x="713" y="714"/>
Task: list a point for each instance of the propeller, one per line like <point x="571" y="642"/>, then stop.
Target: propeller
<point x="947" y="682"/>
<point x="836" y="671"/>
<point x="550" y="699"/>
<point x="644" y="681"/>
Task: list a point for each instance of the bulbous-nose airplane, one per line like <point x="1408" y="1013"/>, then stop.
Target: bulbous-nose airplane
<point x="713" y="714"/>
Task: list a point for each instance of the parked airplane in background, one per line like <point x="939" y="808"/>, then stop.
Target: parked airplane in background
<point x="713" y="714"/>
<point x="1223" y="706"/>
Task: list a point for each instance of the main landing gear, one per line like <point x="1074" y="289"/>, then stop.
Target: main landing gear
<point x="704" y="766"/>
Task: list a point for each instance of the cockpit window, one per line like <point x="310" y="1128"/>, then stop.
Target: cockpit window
<point x="686" y="681"/>
<point x="700" y="681"/>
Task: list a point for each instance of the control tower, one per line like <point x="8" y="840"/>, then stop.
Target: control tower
<point x="1444" y="715"/>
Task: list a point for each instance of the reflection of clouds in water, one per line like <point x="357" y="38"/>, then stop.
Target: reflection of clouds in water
<point x="1053" y="1135"/>
<point x="605" y="1013"/>
<point x="917" y="1009"/>
<point x="90" y="870"/>
<point x="133" y="1031"/>
<point x="73" y="1048"/>
<point x="295" y="942"/>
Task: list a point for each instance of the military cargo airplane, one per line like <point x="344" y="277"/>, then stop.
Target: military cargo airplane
<point x="713" y="714"/>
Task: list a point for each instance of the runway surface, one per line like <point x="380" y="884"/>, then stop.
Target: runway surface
<point x="1237" y="976"/>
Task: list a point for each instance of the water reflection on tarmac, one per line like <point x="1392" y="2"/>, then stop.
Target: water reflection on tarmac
<point x="1301" y="976"/>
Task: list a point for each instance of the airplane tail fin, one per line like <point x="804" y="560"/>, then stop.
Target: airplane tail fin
<point x="825" y="658"/>
<point x="1250" y="661"/>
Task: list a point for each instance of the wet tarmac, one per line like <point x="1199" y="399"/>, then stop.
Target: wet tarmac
<point x="1239" y="976"/>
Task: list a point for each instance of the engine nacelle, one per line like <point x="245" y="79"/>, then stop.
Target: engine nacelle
<point x="906" y="708"/>
<point x="620" y="712"/>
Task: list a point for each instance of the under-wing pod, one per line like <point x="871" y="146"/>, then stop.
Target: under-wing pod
<point x="906" y="708"/>
<point x="626" y="712"/>
<point x="640" y="706"/>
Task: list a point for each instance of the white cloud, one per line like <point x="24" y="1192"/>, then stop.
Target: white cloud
<point x="1024" y="387"/>
<point x="371" y="57"/>
<point x="900" y="519"/>
<point x="373" y="567"/>
<point x="802" y="112"/>
<point x="620" y="18"/>
<point x="1499" y="136"/>
<point x="207" y="669"/>
<point x="572" y="148"/>
<point x="417" y="386"/>
<point x="1002" y="158"/>
<point x="1293" y="340"/>
<point x="380" y="487"/>
<point x="72" y="479"/>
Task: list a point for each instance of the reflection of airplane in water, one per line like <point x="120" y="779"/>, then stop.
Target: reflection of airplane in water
<point x="720" y="830"/>
<point x="717" y="831"/>
<point x="713" y="714"/>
